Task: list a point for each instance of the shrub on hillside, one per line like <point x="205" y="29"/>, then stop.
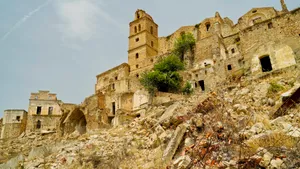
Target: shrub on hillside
<point x="164" y="77"/>
<point x="186" y="42"/>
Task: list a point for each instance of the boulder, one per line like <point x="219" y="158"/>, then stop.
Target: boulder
<point x="182" y="162"/>
<point x="266" y="159"/>
<point x="174" y="143"/>
<point x="169" y="112"/>
<point x="13" y="163"/>
<point x="277" y="164"/>
<point x="39" y="152"/>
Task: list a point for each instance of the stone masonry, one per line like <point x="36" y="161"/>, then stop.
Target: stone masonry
<point x="263" y="40"/>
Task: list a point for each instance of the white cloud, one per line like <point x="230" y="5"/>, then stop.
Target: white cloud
<point x="24" y="19"/>
<point x="81" y="18"/>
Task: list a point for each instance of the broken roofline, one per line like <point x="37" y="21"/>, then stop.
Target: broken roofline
<point x="112" y="69"/>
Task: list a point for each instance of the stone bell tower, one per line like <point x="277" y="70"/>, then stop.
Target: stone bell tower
<point x="143" y="43"/>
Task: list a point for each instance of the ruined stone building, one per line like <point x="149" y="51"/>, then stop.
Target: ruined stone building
<point x="14" y="123"/>
<point x="44" y="111"/>
<point x="263" y="40"/>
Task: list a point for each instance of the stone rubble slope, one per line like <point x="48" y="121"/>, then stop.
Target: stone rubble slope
<point x="231" y="127"/>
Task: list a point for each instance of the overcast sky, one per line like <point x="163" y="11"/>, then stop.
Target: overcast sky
<point x="61" y="45"/>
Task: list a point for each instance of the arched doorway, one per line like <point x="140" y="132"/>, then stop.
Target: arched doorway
<point x="75" y="121"/>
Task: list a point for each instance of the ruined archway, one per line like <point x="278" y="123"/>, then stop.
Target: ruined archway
<point x="75" y="121"/>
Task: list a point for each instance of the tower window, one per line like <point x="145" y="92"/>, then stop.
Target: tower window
<point x="140" y="27"/>
<point x="152" y="44"/>
<point x="137" y="55"/>
<point x="137" y="66"/>
<point x="196" y="75"/>
<point x="18" y="118"/>
<point x="113" y="108"/>
<point x="207" y="26"/>
<point x="137" y="39"/>
<point x="232" y="50"/>
<point x="135" y="29"/>
<point x="50" y="110"/>
<point x="116" y="78"/>
<point x="38" y="110"/>
<point x="270" y="25"/>
<point x="229" y="67"/>
<point x="137" y="75"/>
<point x="151" y="30"/>
<point x="113" y="86"/>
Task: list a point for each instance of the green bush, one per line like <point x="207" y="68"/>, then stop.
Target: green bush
<point x="187" y="89"/>
<point x="169" y="64"/>
<point x="275" y="88"/>
<point x="165" y="76"/>
<point x="186" y="42"/>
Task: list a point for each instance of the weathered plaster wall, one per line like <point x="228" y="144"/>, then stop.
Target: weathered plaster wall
<point x="14" y="123"/>
<point x="114" y="79"/>
<point x="50" y="114"/>
<point x="140" y="97"/>
<point x="280" y="41"/>
<point x="255" y="16"/>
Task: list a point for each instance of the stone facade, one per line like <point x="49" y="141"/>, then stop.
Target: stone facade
<point x="14" y="123"/>
<point x="44" y="111"/>
<point x="263" y="40"/>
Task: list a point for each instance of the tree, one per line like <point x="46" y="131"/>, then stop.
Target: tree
<point x="186" y="42"/>
<point x="164" y="77"/>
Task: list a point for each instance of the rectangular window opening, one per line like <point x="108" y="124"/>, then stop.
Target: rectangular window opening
<point x="39" y="110"/>
<point x="113" y="108"/>
<point x="201" y="84"/>
<point x="18" y="118"/>
<point x="266" y="64"/>
<point x="229" y="67"/>
<point x="50" y="110"/>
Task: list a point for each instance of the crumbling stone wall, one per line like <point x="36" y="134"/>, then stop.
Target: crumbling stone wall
<point x="82" y="118"/>
<point x="114" y="79"/>
<point x="223" y="50"/>
<point x="277" y="38"/>
<point x="255" y="16"/>
<point x="14" y="123"/>
<point x="166" y="44"/>
<point x="44" y="111"/>
<point x="47" y="123"/>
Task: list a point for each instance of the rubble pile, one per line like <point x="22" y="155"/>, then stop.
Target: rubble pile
<point x="231" y="127"/>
